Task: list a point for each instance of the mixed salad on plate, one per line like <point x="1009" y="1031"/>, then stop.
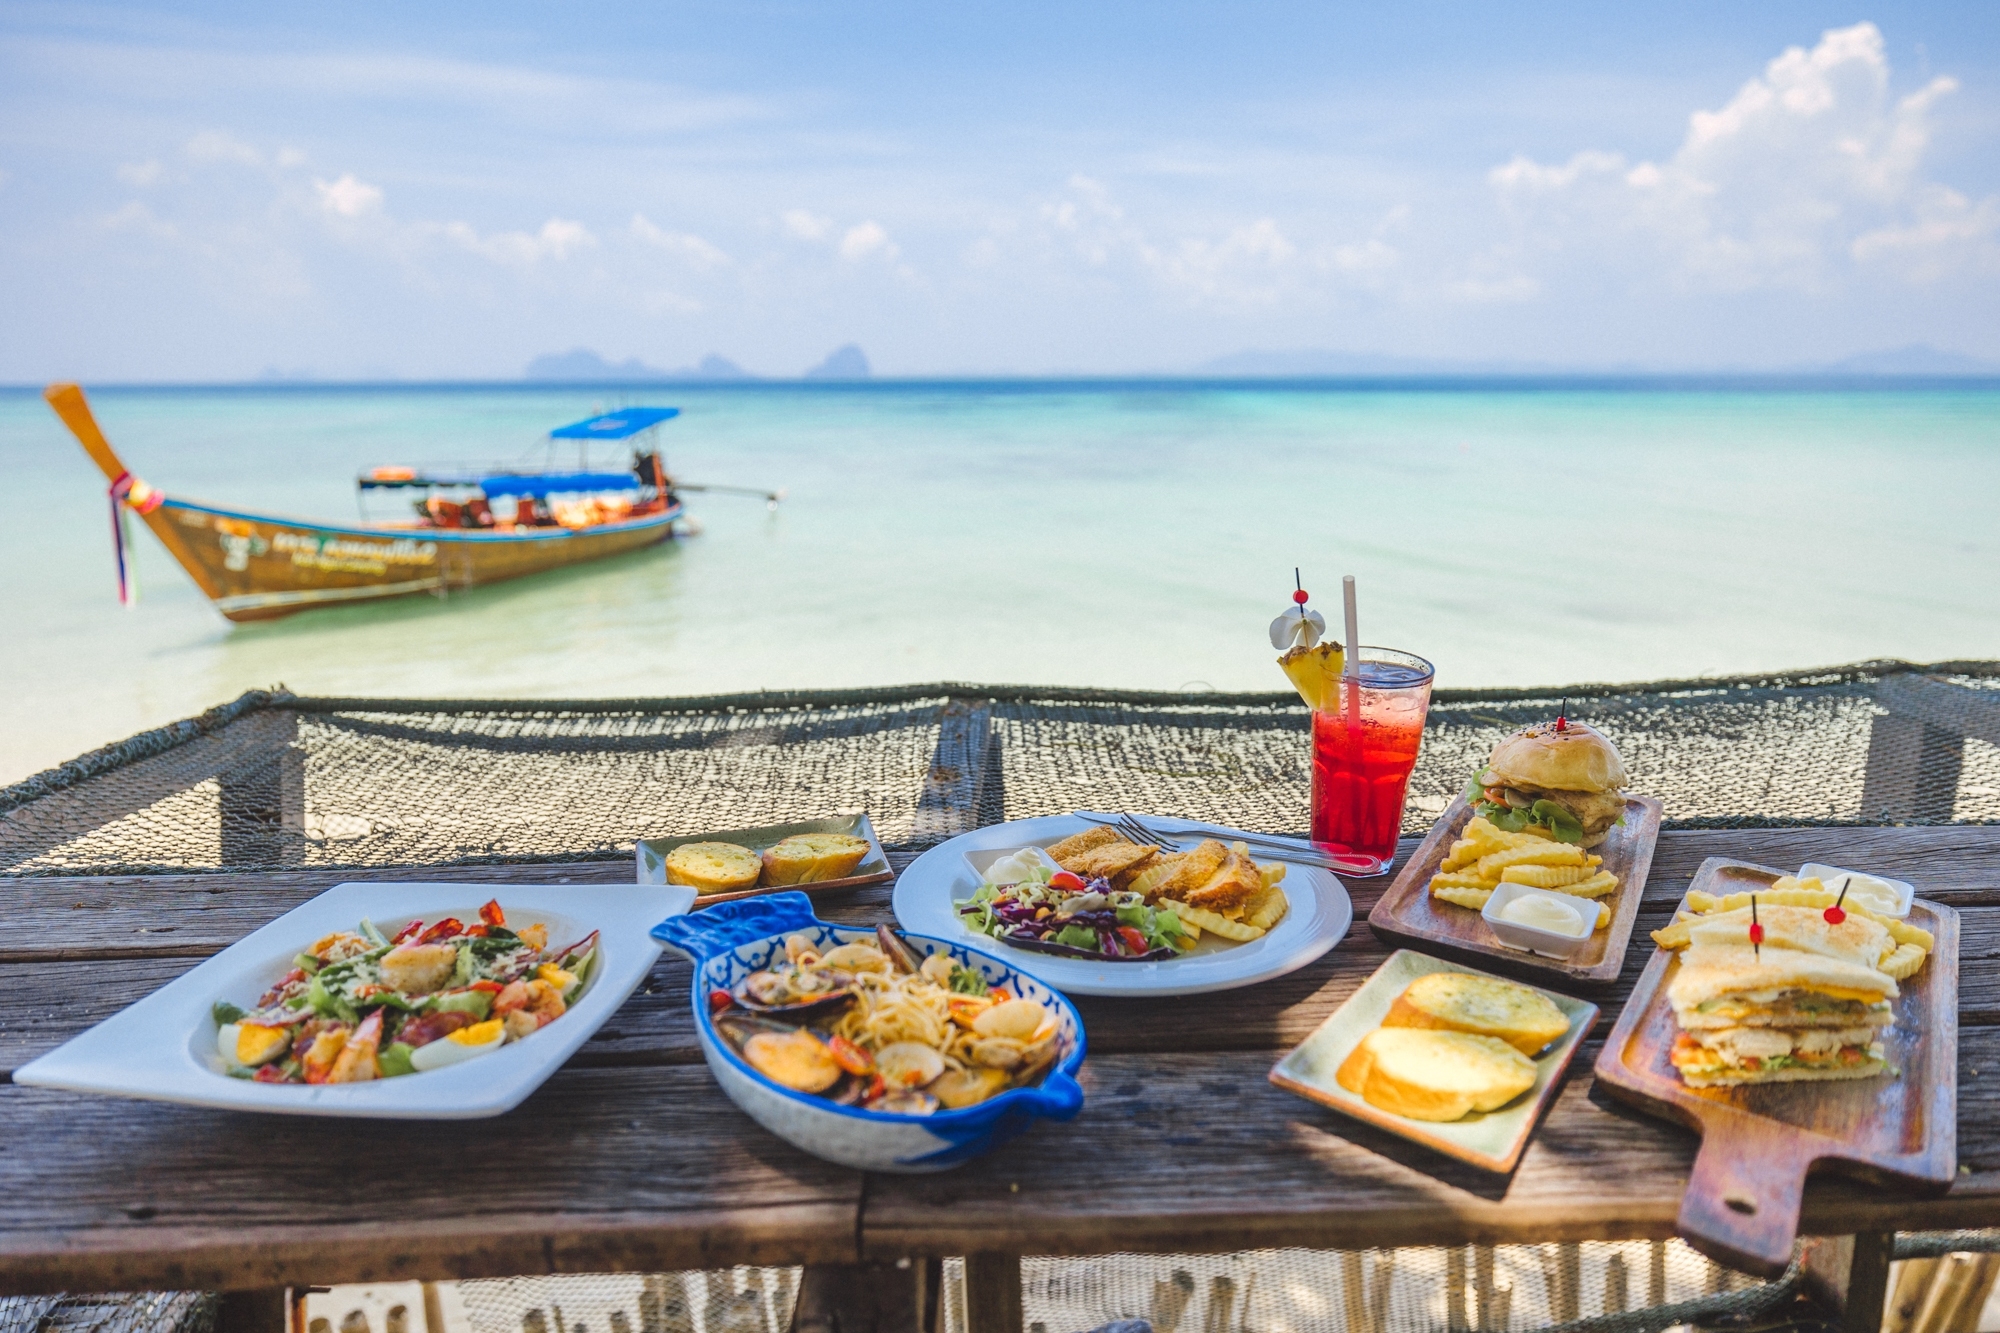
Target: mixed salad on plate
<point x="360" y="1005"/>
<point x="1027" y="900"/>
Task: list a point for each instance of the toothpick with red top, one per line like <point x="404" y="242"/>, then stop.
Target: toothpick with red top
<point x="1835" y="915"/>
<point x="1562" y="717"/>
<point x="1756" y="930"/>
<point x="1299" y="583"/>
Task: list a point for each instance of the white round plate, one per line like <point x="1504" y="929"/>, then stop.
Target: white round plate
<point x="926" y="896"/>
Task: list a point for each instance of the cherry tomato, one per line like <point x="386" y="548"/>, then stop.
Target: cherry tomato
<point x="719" y="1000"/>
<point x="849" y="1056"/>
<point x="1062" y="879"/>
<point x="1133" y="939"/>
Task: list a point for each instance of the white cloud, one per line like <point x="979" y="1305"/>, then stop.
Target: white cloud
<point x="348" y="197"/>
<point x="520" y="249"/>
<point x="865" y="239"/>
<point x="806" y="226"/>
<point x="136" y="217"/>
<point x="689" y="247"/>
<point x="1810" y="171"/>
<point x="141" y="174"/>
<point x="291" y="157"/>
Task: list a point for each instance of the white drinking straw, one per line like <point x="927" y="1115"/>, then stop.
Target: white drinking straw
<point x="1353" y="663"/>
<point x="1351" y="667"/>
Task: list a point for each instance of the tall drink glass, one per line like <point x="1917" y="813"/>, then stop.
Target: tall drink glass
<point x="1363" y="752"/>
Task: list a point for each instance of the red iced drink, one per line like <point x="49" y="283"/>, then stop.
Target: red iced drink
<point x="1363" y="752"/>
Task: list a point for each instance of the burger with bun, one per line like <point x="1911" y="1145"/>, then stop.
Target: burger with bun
<point x="1561" y="779"/>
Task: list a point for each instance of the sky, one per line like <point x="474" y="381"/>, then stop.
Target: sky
<point x="217" y="192"/>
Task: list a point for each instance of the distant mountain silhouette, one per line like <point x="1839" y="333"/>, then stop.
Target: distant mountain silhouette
<point x="583" y="364"/>
<point x="843" y="363"/>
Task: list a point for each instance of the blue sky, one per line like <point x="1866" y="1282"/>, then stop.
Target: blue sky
<point x="204" y="192"/>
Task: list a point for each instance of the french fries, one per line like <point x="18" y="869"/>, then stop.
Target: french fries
<point x="1545" y="877"/>
<point x="1547" y="854"/>
<point x="1268" y="908"/>
<point x="1487" y="857"/>
<point x="1902" y="964"/>
<point x="1214" y="922"/>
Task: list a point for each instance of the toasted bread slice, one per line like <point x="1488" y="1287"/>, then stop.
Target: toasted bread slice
<point x="1234" y="883"/>
<point x="1106" y="862"/>
<point x="713" y="867"/>
<point x="807" y="858"/>
<point x="1076" y="844"/>
<point x="1522" y="1017"/>
<point x="1435" y="1075"/>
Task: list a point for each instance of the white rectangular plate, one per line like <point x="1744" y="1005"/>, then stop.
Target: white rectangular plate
<point x="163" y="1047"/>
<point x="1491" y="1140"/>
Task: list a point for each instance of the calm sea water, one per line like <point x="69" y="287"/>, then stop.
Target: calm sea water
<point x="1132" y="535"/>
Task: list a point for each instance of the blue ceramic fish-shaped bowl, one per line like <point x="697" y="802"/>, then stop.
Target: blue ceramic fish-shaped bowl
<point x="729" y="941"/>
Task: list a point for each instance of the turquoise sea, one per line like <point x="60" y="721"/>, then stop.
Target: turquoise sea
<point x="1135" y="534"/>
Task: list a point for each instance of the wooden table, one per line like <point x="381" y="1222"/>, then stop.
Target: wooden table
<point x="631" y="1159"/>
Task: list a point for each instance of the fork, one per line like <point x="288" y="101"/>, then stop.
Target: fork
<point x="1276" y="849"/>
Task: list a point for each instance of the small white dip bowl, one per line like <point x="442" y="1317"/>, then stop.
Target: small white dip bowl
<point x="1533" y="938"/>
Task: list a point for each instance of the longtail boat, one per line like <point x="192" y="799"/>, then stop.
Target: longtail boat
<point x="471" y="526"/>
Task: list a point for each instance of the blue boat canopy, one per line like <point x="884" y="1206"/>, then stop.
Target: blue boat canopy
<point x="619" y="425"/>
<point x="557" y="483"/>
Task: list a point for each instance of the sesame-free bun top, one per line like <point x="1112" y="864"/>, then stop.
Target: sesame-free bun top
<point x="1576" y="758"/>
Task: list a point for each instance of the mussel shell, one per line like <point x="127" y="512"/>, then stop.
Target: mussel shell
<point x="905" y="1101"/>
<point x="739" y="1027"/>
<point x="902" y="955"/>
<point x="801" y="1011"/>
<point x="847" y="1092"/>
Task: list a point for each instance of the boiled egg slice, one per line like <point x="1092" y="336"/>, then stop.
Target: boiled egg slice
<point x="251" y="1044"/>
<point x="465" y="1044"/>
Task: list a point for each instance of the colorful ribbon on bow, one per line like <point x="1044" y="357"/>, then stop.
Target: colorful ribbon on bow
<point x="128" y="492"/>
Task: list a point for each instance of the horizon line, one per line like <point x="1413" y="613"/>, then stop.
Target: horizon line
<point x="1495" y="379"/>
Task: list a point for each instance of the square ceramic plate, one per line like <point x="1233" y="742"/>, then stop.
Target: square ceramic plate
<point x="163" y="1047"/>
<point x="874" y="867"/>
<point x="1492" y="1140"/>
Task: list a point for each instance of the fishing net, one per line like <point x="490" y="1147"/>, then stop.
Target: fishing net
<point x="112" y="1312"/>
<point x="273" y="780"/>
<point x="1575" y="1287"/>
<point x="1595" y="1286"/>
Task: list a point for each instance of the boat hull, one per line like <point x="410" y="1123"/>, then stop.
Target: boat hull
<point x="256" y="567"/>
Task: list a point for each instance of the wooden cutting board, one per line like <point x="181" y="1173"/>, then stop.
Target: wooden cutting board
<point x="1758" y="1144"/>
<point x="1407" y="914"/>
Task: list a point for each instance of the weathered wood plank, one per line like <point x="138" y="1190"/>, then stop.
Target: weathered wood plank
<point x="1201" y="1153"/>
<point x="600" y="1171"/>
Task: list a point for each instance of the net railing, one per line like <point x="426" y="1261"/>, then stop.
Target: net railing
<point x="275" y="780"/>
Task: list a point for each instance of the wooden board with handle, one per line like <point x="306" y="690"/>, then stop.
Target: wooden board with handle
<point x="1407" y="914"/>
<point x="1759" y="1143"/>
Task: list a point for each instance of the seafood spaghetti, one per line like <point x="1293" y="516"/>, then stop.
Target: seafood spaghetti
<point x="877" y="1027"/>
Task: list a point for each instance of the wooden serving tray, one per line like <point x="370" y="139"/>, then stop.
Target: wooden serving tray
<point x="1407" y="914"/>
<point x="874" y="867"/>
<point x="1758" y="1144"/>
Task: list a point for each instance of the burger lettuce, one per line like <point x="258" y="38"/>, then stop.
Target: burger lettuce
<point x="1563" y="826"/>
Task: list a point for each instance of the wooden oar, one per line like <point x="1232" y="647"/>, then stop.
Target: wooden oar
<point x="69" y="403"/>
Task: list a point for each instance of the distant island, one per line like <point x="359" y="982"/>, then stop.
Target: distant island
<point x="581" y="364"/>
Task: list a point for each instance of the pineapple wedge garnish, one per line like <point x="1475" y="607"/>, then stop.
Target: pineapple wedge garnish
<point x="1315" y="673"/>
